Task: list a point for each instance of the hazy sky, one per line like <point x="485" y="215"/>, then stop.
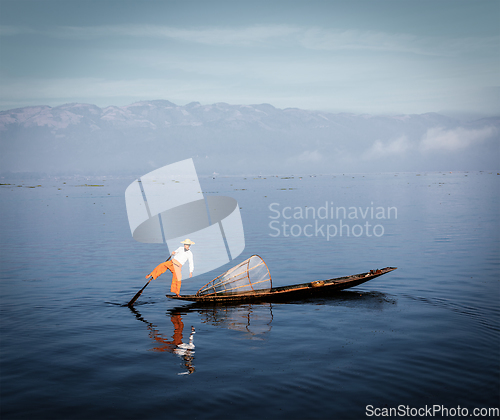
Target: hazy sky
<point x="404" y="56"/>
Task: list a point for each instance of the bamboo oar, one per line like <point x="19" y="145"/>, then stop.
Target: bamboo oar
<point x="132" y="301"/>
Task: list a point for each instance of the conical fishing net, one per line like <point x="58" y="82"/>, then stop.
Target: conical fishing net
<point x="249" y="276"/>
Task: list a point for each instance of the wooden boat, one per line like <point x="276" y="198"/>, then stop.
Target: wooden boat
<point x="297" y="291"/>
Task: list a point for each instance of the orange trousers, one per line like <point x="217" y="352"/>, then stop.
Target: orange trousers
<point x="175" y="267"/>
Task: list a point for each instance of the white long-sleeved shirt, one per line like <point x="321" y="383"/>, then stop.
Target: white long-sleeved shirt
<point x="181" y="255"/>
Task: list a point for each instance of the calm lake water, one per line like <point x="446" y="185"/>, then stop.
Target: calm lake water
<point x="426" y="334"/>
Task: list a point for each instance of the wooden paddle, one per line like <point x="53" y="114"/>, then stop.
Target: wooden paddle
<point x="132" y="301"/>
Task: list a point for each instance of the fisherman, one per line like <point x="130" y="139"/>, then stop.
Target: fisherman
<point x="174" y="264"/>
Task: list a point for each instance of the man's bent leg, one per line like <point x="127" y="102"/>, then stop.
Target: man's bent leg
<point x="161" y="268"/>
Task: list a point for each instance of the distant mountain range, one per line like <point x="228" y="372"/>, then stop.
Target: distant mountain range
<point x="238" y="139"/>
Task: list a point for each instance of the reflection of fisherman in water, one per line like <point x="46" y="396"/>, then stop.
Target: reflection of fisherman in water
<point x="253" y="320"/>
<point x="175" y="346"/>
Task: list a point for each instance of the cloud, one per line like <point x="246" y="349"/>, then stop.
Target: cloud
<point x="250" y="35"/>
<point x="215" y="36"/>
<point x="395" y="147"/>
<point x="99" y="88"/>
<point x="326" y="39"/>
<point x="307" y="156"/>
<point x="455" y="139"/>
<point x="312" y="38"/>
<point x="321" y="39"/>
<point x="435" y="139"/>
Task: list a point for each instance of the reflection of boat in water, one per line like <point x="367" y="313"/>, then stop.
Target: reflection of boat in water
<point x="253" y="320"/>
<point x="251" y="281"/>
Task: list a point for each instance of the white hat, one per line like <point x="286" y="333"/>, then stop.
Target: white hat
<point x="187" y="242"/>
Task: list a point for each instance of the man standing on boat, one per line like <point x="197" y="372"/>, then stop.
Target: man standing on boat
<point x="174" y="264"/>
